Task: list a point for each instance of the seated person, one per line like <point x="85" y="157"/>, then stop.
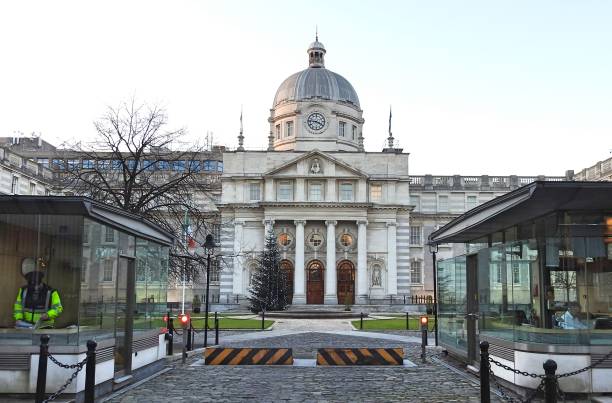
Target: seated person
<point x="37" y="305"/>
<point x="571" y="318"/>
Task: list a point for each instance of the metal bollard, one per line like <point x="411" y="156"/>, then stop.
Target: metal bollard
<point x="41" y="380"/>
<point x="90" y="372"/>
<point x="170" y="336"/>
<point x="361" y="321"/>
<point x="407" y="321"/>
<point x="188" y="335"/>
<point x="423" y="338"/>
<point x="263" y="319"/>
<point x="485" y="387"/>
<point x="550" y="382"/>
<point x="216" y="329"/>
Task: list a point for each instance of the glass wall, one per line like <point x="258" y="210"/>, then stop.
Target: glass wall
<point x="552" y="287"/>
<point x="40" y="265"/>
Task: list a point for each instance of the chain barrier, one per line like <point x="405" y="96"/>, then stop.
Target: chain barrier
<point x="79" y="366"/>
<point x="593" y="365"/>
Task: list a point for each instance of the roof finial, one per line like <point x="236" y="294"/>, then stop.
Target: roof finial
<point x="316" y="33"/>
<point x="240" y="137"/>
<point x="390" y="139"/>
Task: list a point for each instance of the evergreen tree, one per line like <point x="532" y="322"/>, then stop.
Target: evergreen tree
<point x="268" y="289"/>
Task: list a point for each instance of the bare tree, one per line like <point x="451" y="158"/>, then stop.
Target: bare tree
<point x="136" y="164"/>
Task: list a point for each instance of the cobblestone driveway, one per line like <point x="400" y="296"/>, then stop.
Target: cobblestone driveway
<point x="194" y="383"/>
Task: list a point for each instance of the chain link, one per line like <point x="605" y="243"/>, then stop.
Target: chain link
<point x="500" y="388"/>
<point x="516" y="371"/>
<point x="79" y="366"/>
<point x="593" y="365"/>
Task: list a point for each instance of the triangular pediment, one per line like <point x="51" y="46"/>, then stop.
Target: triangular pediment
<point x="316" y="164"/>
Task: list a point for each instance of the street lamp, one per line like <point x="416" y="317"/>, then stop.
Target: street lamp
<point x="209" y="246"/>
<point x="433" y="249"/>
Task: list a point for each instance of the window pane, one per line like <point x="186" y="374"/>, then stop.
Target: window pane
<point x="375" y="193"/>
<point x="315" y="192"/>
<point x="346" y="192"/>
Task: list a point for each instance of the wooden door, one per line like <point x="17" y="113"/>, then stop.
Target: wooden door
<point x="287" y="268"/>
<point x="315" y="286"/>
<point x="346" y="282"/>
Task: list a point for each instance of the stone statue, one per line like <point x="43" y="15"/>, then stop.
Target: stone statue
<point x="315" y="167"/>
<point x="376" y="277"/>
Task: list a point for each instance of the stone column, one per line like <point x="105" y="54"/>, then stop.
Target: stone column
<point x="391" y="259"/>
<point x="362" y="262"/>
<point x="237" y="288"/>
<point x="331" y="283"/>
<point x="299" y="289"/>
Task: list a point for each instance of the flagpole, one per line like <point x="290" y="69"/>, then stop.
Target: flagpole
<point x="185" y="264"/>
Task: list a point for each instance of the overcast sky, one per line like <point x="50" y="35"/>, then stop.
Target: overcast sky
<point x="477" y="87"/>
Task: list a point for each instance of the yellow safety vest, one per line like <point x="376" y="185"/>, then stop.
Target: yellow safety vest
<point x="29" y="310"/>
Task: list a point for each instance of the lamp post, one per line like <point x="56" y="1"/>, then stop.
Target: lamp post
<point x="433" y="249"/>
<point x="209" y="246"/>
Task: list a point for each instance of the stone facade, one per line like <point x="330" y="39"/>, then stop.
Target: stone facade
<point x="602" y="171"/>
<point x="20" y="175"/>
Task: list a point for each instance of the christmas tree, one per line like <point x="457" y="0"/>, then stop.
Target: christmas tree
<point x="268" y="289"/>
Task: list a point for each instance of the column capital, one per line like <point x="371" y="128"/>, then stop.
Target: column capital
<point x="331" y="222"/>
<point x="362" y="222"/>
<point x="238" y="222"/>
<point x="299" y="222"/>
<point x="267" y="221"/>
<point x="392" y="224"/>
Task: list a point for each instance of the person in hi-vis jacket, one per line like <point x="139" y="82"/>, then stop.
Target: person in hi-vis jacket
<point x="37" y="304"/>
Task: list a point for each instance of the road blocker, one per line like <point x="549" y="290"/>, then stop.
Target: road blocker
<point x="248" y="356"/>
<point x="360" y="356"/>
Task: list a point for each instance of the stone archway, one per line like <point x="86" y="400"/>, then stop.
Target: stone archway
<point x="346" y="282"/>
<point x="315" y="286"/>
<point x="287" y="267"/>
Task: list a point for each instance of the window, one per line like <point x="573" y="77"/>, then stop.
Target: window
<point x="346" y="240"/>
<point x="315" y="191"/>
<point x="214" y="271"/>
<point x="415" y="235"/>
<point x="254" y="192"/>
<point x="219" y="166"/>
<point x="415" y="201"/>
<point x="289" y="129"/>
<point x="471" y="202"/>
<point x="32" y="188"/>
<point x="516" y="273"/>
<point x="88" y="164"/>
<point x="72" y="164"/>
<point x="341" y="127"/>
<point x="496" y="268"/>
<point x="278" y="132"/>
<point x="107" y="274"/>
<point x="315" y="240"/>
<point x="354" y="132"/>
<point x="216" y="230"/>
<point x="285" y="191"/>
<point x="285" y="239"/>
<point x="104" y="164"/>
<point x="141" y="270"/>
<point x="109" y="235"/>
<point x="15" y="185"/>
<point x="116" y="164"/>
<point x="178" y="166"/>
<point x="57" y="163"/>
<point x="44" y="162"/>
<point x="163" y="165"/>
<point x="346" y="191"/>
<point x="416" y="273"/>
<point x="375" y="193"/>
<point x="443" y="203"/>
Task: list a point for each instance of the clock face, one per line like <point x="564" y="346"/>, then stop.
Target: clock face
<point x="316" y="121"/>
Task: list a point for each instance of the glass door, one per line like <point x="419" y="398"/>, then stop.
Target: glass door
<point x="124" y="315"/>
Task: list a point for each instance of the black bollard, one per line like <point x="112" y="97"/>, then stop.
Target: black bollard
<point x="263" y="319"/>
<point x="550" y="382"/>
<point x="361" y="321"/>
<point x="90" y="372"/>
<point x="485" y="388"/>
<point x="216" y="329"/>
<point x="41" y="380"/>
<point x="188" y="335"/>
<point x="423" y="340"/>
<point x="407" y="321"/>
<point x="170" y="336"/>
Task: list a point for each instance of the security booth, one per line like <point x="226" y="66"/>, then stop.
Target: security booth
<point x="535" y="281"/>
<point x="78" y="270"/>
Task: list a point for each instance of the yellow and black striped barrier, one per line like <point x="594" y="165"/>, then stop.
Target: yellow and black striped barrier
<point x="248" y="356"/>
<point x="360" y="356"/>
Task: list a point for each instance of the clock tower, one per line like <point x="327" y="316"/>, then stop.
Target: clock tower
<point x="316" y="109"/>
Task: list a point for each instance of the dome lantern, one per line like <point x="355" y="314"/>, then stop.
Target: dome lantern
<point x="316" y="53"/>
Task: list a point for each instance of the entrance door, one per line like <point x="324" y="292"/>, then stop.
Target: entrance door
<point x="315" y="287"/>
<point x="287" y="268"/>
<point x="346" y="282"/>
<point x="124" y="315"/>
<point x="471" y="316"/>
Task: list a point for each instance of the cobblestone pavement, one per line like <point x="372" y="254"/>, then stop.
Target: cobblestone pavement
<point x="197" y="383"/>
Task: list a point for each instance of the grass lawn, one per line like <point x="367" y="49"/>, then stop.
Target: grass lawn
<point x="225" y="322"/>
<point x="231" y="323"/>
<point x="393" y="324"/>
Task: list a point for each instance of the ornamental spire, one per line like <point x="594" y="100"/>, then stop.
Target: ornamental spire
<point x="240" y="137"/>
<point x="390" y="139"/>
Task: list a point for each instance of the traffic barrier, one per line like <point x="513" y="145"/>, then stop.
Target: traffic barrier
<point x="360" y="356"/>
<point x="248" y="356"/>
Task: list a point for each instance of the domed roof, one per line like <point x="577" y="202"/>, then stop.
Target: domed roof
<point x="316" y="83"/>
